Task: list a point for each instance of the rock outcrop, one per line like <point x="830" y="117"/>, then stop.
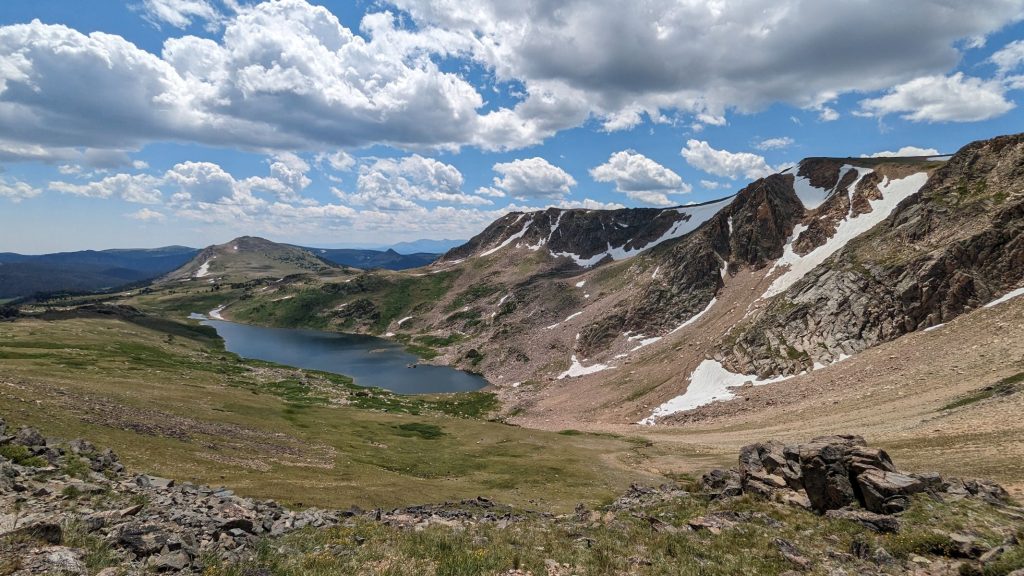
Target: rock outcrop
<point x="840" y="476"/>
<point x="952" y="247"/>
<point x="156" y="524"/>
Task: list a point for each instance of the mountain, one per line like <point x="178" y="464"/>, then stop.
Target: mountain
<point x="426" y="246"/>
<point x="643" y="314"/>
<point x="247" y="258"/>
<point x="85" y="271"/>
<point x="371" y="259"/>
<point x="954" y="244"/>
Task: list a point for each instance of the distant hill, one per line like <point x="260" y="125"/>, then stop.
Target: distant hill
<point x="426" y="246"/>
<point x="250" y="257"/>
<point x="370" y="259"/>
<point x="85" y="271"/>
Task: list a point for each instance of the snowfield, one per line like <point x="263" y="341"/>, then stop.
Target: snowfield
<point x="577" y="369"/>
<point x="204" y="270"/>
<point x="1006" y="297"/>
<point x="710" y="382"/>
<point x="893" y="192"/>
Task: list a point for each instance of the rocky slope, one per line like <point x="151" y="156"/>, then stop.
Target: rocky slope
<point x="831" y="506"/>
<point x="952" y="247"/>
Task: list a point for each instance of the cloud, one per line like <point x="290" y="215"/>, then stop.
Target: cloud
<point x="955" y="98"/>
<point x="826" y="114"/>
<point x="147" y="215"/>
<point x="284" y="75"/>
<point x="17" y="191"/>
<point x="178" y="13"/>
<point x="710" y="57"/>
<point x="532" y="178"/>
<point x="733" y="165"/>
<point x="903" y="152"/>
<point x="400" y="183"/>
<point x="775" y="143"/>
<point x="339" y="161"/>
<point x="138" y="188"/>
<point x="712" y="185"/>
<point x="288" y="75"/>
<point x="1010" y="57"/>
<point x="640" y="178"/>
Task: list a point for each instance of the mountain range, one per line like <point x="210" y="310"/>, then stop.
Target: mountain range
<point x="797" y="271"/>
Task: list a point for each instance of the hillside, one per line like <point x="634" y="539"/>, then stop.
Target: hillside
<point x="602" y="319"/>
<point x="85" y="271"/>
<point x="372" y="259"/>
<point x="247" y="258"/>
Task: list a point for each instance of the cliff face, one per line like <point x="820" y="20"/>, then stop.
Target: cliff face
<point x="953" y="246"/>
<point x="588" y="237"/>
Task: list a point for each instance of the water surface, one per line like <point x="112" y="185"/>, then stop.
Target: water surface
<point x="370" y="361"/>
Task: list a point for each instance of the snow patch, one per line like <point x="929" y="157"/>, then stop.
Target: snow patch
<point x="511" y="238"/>
<point x="710" y="382"/>
<point x="893" y="192"/>
<point x="577" y="369"/>
<point x="655" y="275"/>
<point x="581" y="283"/>
<point x="697" y="216"/>
<point x="404" y="320"/>
<point x="204" y="270"/>
<point x="215" y="313"/>
<point x="570" y="317"/>
<point x="936" y="327"/>
<point x="1006" y="297"/>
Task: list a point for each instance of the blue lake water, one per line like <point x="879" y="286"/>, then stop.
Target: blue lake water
<point x="370" y="361"/>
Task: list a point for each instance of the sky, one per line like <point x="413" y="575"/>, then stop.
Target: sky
<point x="143" y="123"/>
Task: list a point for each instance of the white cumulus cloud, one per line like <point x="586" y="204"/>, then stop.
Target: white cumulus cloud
<point x="640" y="178"/>
<point x="732" y="165"/>
<point x="532" y="178"/>
<point x="903" y="152"/>
<point x="775" y="143"/>
<point x="17" y="190"/>
<point x="955" y="98"/>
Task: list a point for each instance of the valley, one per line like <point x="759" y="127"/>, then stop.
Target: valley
<point x="619" y="347"/>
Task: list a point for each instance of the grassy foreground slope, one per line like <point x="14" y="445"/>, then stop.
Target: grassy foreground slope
<point x="179" y="406"/>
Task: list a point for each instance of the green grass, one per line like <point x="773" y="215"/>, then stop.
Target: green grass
<point x="1004" y="387"/>
<point x="424" y="431"/>
<point x="183" y="408"/>
<point x="623" y="542"/>
<point x="20" y="455"/>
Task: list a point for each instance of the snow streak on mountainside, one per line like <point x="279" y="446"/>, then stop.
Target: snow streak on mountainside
<point x="952" y="244"/>
<point x="587" y="237"/>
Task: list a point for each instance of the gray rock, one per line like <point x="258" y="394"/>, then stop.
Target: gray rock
<point x="877" y="522"/>
<point x="64" y="561"/>
<point x="170" y="562"/>
<point x="29" y="437"/>
<point x="825" y="478"/>
<point x="877" y="487"/>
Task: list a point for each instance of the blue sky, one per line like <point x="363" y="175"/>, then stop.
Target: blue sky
<point x="143" y="123"/>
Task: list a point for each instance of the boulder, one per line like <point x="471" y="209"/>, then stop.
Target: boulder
<point x="29" y="437"/>
<point x="722" y="483"/>
<point x="878" y="487"/>
<point x="147" y="539"/>
<point x="877" y="522"/>
<point x="169" y="562"/>
<point x="825" y="478"/>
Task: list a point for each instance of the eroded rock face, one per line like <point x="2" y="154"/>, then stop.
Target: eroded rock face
<point x="840" y="474"/>
<point x="952" y="247"/>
